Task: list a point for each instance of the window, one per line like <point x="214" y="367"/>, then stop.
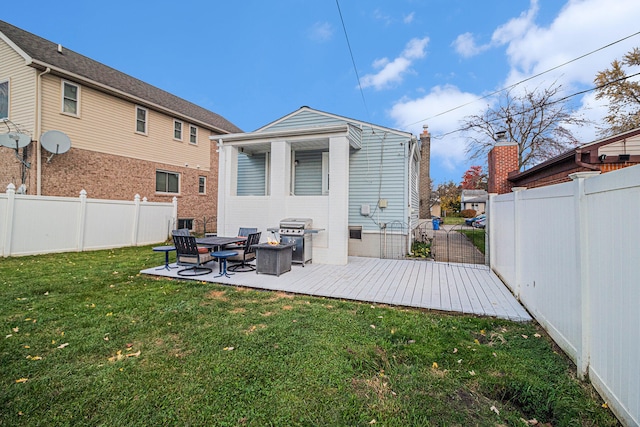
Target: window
<point x="311" y="173"/>
<point x="177" y="130"/>
<point x="193" y="134"/>
<point x="4" y="99"/>
<point x="70" y="99"/>
<point x="185" y="223"/>
<point x="202" y="185"/>
<point x="141" y="120"/>
<point x="253" y="174"/>
<point x="167" y="182"/>
<point x="325" y="172"/>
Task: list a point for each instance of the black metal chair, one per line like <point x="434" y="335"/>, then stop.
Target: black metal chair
<point x="246" y="254"/>
<point x="189" y="254"/>
<point x="181" y="232"/>
<point x="242" y="232"/>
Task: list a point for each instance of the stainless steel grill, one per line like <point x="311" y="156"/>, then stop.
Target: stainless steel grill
<point x="298" y="231"/>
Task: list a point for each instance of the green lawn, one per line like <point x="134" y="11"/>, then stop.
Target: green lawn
<point x="86" y="340"/>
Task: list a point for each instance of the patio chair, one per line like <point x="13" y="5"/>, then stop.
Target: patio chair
<point x="189" y="254"/>
<point x="246" y="254"/>
<point x="181" y="232"/>
<point x="242" y="232"/>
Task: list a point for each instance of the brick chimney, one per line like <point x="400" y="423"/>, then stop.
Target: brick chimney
<point x="425" y="179"/>
<point x="502" y="159"/>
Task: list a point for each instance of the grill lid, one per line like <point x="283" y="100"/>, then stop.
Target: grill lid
<point x="296" y="223"/>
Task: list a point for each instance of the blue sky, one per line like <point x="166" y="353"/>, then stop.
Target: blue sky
<point x="255" y="61"/>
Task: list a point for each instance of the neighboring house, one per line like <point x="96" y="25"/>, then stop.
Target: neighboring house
<point x="127" y="137"/>
<point x="356" y="180"/>
<point x="474" y="199"/>
<point x="604" y="155"/>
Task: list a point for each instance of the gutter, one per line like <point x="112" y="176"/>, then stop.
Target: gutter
<point x="583" y="164"/>
<point x="38" y="130"/>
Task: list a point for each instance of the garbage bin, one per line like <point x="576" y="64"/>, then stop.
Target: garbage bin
<point x="436" y="223"/>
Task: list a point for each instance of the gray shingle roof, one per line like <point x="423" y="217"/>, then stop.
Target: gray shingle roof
<point x="46" y="52"/>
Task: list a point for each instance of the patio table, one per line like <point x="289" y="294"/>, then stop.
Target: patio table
<point x="166" y="250"/>
<point x="214" y="242"/>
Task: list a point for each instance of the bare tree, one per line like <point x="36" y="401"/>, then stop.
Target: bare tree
<point x="622" y="93"/>
<point x="537" y="121"/>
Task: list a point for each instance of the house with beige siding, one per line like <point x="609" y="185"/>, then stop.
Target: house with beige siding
<point x="127" y="137"/>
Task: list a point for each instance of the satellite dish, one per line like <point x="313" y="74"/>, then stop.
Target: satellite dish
<point x="14" y="140"/>
<point x="4" y="140"/>
<point x="55" y="142"/>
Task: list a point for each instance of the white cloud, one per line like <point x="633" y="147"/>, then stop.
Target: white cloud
<point x="321" y="32"/>
<point x="408" y="19"/>
<point x="409" y="114"/>
<point x="393" y="71"/>
<point x="465" y="45"/>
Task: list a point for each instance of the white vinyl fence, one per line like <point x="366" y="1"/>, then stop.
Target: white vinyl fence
<point x="569" y="253"/>
<point x="42" y="224"/>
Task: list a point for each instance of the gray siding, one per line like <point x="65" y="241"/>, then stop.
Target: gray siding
<point x="308" y="173"/>
<point x="251" y="175"/>
<point x="378" y="171"/>
<point x="372" y="177"/>
<point x="305" y="119"/>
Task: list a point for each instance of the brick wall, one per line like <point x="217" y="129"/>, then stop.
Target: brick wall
<point x="106" y="176"/>
<point x="503" y="158"/>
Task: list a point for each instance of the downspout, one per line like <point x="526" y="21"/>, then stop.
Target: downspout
<point x="38" y="131"/>
<point x="583" y="164"/>
<point x="410" y="187"/>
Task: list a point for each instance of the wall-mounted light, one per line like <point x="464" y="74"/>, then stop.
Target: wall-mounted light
<point x="296" y="162"/>
<point x="601" y="157"/>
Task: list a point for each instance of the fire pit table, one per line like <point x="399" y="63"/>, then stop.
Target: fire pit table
<point x="273" y="259"/>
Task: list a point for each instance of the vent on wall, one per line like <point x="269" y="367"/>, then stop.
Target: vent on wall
<point x="355" y="232"/>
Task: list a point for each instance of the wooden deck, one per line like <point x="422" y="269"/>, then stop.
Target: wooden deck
<point x="462" y="288"/>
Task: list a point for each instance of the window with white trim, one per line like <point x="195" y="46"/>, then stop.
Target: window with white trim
<point x="177" y="130"/>
<point x="193" y="134"/>
<point x="202" y="185"/>
<point x="4" y="99"/>
<point x="70" y="98"/>
<point x="141" y="120"/>
<point x="167" y="182"/>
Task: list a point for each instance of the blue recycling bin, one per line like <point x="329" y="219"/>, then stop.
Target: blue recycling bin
<point x="436" y="223"/>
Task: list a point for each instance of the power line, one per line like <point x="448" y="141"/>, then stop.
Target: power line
<point x="352" y="60"/>
<point x="525" y="80"/>
<point x="582" y="92"/>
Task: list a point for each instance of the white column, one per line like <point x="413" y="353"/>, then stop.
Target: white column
<point x="338" y="224"/>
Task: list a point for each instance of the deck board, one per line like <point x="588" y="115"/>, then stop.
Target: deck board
<point x="463" y="288"/>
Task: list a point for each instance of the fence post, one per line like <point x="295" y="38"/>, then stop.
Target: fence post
<point x="136" y="220"/>
<point x="582" y="245"/>
<point x="8" y="219"/>
<point x="82" y="218"/>
<point x="516" y="239"/>
<point x="490" y="235"/>
<point x="174" y="216"/>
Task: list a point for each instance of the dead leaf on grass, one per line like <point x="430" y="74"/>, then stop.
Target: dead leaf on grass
<point x="22" y="380"/>
<point x="63" y="345"/>
<point x="494" y="409"/>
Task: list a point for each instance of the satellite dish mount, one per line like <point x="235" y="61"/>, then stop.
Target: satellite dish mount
<point x="55" y="142"/>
